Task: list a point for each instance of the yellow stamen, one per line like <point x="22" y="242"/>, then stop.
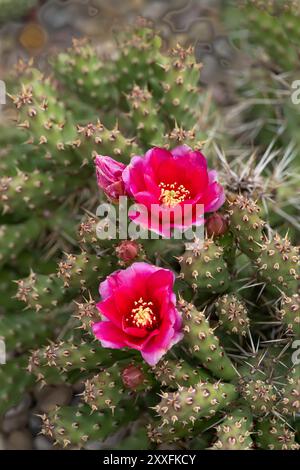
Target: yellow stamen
<point x="142" y="316"/>
<point x="172" y="194"/>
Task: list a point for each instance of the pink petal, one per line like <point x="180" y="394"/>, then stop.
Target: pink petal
<point x="109" y="335"/>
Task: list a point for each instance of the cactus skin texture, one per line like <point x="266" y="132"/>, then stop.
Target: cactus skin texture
<point x="143" y="112"/>
<point x="290" y="401"/>
<point x="13" y="382"/>
<point x="273" y="434"/>
<point x="188" y="404"/>
<point x="272" y="28"/>
<point x="171" y="373"/>
<point x="71" y="425"/>
<point x="234" y="433"/>
<point x="106" y="389"/>
<point x="205" y="269"/>
<point x="260" y="395"/>
<point x="84" y="73"/>
<point x="233" y="314"/>
<point x="275" y="260"/>
<point x="289" y="313"/>
<point x="23" y="333"/>
<point x="203" y="343"/>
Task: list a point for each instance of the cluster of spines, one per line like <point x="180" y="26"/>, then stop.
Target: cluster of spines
<point x="204" y="268"/>
<point x="75" y="426"/>
<point x="95" y="138"/>
<point x="275" y="260"/>
<point x="40" y="291"/>
<point x="171" y="373"/>
<point x="51" y="363"/>
<point x="203" y="344"/>
<point x="82" y="71"/>
<point x="234" y="433"/>
<point x="289" y="404"/>
<point x="143" y="113"/>
<point x="25" y="192"/>
<point x="289" y="313"/>
<point x="121" y="381"/>
<point x="275" y="434"/>
<point x="233" y="314"/>
<point x="261" y="395"/>
<point x="188" y="404"/>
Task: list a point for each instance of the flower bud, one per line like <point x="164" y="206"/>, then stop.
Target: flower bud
<point x="128" y="250"/>
<point x="132" y="377"/>
<point x="216" y="225"/>
<point x="109" y="176"/>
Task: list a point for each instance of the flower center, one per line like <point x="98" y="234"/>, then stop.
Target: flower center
<point x="172" y="194"/>
<point x="142" y="315"/>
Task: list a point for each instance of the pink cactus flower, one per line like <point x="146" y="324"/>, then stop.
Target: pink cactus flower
<point x="109" y="176"/>
<point x="169" y="180"/>
<point x="138" y="307"/>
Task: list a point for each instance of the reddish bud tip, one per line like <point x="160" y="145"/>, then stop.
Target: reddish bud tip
<point x="132" y="377"/>
<point x="216" y="225"/>
<point x="128" y="250"/>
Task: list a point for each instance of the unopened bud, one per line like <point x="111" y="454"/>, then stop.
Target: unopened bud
<point x="128" y="250"/>
<point x="216" y="225"/>
<point x="132" y="377"/>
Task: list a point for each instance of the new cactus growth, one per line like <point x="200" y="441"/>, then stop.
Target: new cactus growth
<point x="234" y="433"/>
<point x="205" y="268"/>
<point x="275" y="435"/>
<point x="233" y="314"/>
<point x="204" y="344"/>
<point x="290" y="313"/>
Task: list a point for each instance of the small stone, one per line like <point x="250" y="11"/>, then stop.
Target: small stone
<point x="55" y="396"/>
<point x="78" y="387"/>
<point x="19" y="440"/>
<point x="40" y="391"/>
<point x="76" y="400"/>
<point x="93" y="445"/>
<point x="42" y="443"/>
<point x="20" y="407"/>
<point x="10" y="424"/>
<point x="35" y="422"/>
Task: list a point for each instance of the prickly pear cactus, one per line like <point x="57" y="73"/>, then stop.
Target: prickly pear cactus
<point x="185" y="345"/>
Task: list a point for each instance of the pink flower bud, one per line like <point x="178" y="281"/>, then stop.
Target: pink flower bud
<point x="128" y="250"/>
<point x="132" y="377"/>
<point x="109" y="176"/>
<point x="216" y="225"/>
